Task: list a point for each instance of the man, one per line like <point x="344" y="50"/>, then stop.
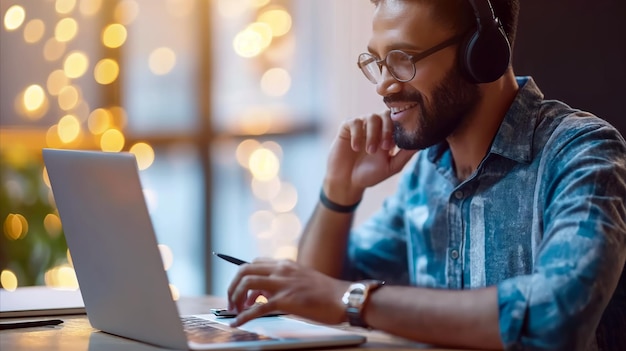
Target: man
<point x="507" y="231"/>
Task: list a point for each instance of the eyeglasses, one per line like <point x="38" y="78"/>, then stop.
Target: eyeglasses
<point x="400" y="64"/>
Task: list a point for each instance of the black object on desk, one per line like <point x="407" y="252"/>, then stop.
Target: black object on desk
<point x="30" y="324"/>
<point x="230" y="259"/>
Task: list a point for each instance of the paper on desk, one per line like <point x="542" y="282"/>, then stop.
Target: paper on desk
<point x="40" y="301"/>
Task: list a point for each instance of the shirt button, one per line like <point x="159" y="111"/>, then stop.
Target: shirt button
<point x="454" y="254"/>
<point x="458" y="194"/>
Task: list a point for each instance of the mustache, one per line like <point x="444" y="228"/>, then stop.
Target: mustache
<point x="404" y="97"/>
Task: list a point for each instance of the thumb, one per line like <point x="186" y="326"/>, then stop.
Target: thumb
<point x="399" y="160"/>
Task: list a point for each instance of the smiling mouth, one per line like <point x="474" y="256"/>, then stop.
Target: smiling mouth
<point x="395" y="110"/>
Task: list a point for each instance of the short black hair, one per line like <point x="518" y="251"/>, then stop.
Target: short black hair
<point x="460" y="15"/>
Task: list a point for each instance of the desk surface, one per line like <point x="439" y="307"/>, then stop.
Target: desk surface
<point x="76" y="334"/>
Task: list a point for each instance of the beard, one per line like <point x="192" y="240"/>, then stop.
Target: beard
<point x="453" y="99"/>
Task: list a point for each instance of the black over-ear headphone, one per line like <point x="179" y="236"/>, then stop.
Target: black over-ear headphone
<point x="486" y="52"/>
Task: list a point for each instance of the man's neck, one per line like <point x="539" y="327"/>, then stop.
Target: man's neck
<point x="471" y="141"/>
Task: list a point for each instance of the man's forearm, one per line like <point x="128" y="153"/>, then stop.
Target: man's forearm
<point x="323" y="243"/>
<point x="455" y="318"/>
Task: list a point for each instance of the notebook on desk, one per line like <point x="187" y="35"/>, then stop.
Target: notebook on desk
<point x="35" y="301"/>
<point x="120" y="272"/>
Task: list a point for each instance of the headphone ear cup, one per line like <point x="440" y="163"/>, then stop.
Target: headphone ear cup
<point x="486" y="54"/>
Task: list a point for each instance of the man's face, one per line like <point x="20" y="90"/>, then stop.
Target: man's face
<point x="431" y="106"/>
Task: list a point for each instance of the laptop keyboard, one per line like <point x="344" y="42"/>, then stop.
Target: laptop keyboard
<point x="203" y="331"/>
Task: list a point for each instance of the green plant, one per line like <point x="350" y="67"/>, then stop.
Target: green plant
<point x="32" y="240"/>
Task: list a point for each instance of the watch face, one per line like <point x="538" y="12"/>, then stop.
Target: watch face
<point x="356" y="297"/>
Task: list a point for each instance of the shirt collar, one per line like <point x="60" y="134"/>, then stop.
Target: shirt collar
<point x="514" y="139"/>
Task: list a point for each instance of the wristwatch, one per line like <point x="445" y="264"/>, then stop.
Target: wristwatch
<point x="355" y="299"/>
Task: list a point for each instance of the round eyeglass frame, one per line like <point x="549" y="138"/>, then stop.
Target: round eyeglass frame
<point x="365" y="59"/>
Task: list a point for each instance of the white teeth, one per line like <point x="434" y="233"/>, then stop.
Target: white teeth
<point x="403" y="108"/>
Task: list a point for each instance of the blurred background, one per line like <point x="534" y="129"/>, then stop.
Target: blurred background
<point x="229" y="107"/>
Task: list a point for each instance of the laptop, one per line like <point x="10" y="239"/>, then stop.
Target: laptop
<point x="120" y="272"/>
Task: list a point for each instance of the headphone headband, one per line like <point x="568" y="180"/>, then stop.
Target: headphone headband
<point x="483" y="10"/>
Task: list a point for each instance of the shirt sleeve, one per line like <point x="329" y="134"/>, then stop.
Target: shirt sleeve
<point x="583" y="249"/>
<point x="378" y="248"/>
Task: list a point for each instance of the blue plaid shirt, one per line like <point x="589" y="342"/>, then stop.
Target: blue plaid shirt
<point x="543" y="218"/>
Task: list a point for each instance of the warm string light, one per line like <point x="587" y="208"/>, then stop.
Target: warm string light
<point x="278" y="226"/>
<point x="59" y="89"/>
<point x="264" y="41"/>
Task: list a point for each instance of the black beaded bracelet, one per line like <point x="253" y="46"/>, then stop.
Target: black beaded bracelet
<point x="333" y="206"/>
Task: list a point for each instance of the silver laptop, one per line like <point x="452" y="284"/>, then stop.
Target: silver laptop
<point x="120" y="271"/>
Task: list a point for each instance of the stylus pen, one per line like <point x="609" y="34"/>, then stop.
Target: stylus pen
<point x="30" y="324"/>
<point x="230" y="259"/>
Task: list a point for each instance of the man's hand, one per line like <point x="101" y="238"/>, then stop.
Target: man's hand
<point x="362" y="156"/>
<point x="289" y="288"/>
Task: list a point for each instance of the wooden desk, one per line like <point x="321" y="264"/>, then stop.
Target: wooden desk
<point x="76" y="334"/>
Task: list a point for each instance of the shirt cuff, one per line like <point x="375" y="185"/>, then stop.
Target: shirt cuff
<point x="513" y="298"/>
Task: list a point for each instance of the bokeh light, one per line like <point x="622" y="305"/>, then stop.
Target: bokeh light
<point x="68" y="128"/>
<point x="99" y="121"/>
<point x="286" y="199"/>
<point x="248" y="43"/>
<point x="106" y="71"/>
<point x="52" y="224"/>
<point x="62" y="276"/>
<point x="288" y="252"/>
<point x="265" y="190"/>
<point x="89" y="7"/>
<point x="34" y="97"/>
<point x="274" y="146"/>
<point x="144" y="155"/>
<point x="15" y="226"/>
<point x="278" y="19"/>
<point x="34" y="31"/>
<point x="264" y="31"/>
<point x="68" y="97"/>
<point x="255" y="120"/>
<point x="53" y="49"/>
<point x="126" y="11"/>
<point x="66" y="29"/>
<point x="162" y="61"/>
<point x="119" y="116"/>
<point x="14" y="17"/>
<point x="57" y="80"/>
<point x="264" y="164"/>
<point x="52" y="137"/>
<point x="166" y="256"/>
<point x="8" y="280"/>
<point x="152" y="200"/>
<point x="244" y="150"/>
<point x="275" y="82"/>
<point x="75" y="64"/>
<point x="114" y="35"/>
<point x="64" y="6"/>
<point x="175" y="292"/>
<point x="112" y="141"/>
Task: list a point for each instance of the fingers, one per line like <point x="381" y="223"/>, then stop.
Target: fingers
<point x="370" y="133"/>
<point x="240" y="297"/>
<point x="251" y="313"/>
<point x="256" y="276"/>
<point x="374" y="134"/>
<point x="387" y="131"/>
<point x="261" y="268"/>
<point x="357" y="133"/>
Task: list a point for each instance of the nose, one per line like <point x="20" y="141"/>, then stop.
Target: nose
<point x="387" y="83"/>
